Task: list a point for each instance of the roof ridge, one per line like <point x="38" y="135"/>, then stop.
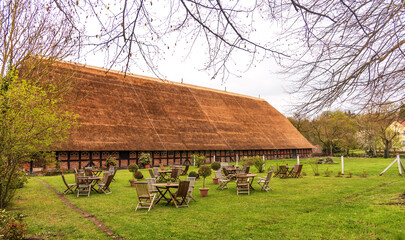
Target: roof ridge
<point x="157" y="79"/>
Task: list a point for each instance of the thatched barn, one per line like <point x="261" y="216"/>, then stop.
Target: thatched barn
<point x="123" y="115"/>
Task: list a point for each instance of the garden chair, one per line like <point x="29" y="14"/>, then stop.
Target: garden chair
<point x="224" y="164"/>
<point x="242" y="184"/>
<point x="112" y="171"/>
<point x="180" y="197"/>
<point x="191" y="188"/>
<point x="145" y="199"/>
<point x="76" y="170"/>
<point x="228" y="175"/>
<point x="83" y="184"/>
<point x="274" y="171"/>
<point x="156" y="172"/>
<point x="152" y="174"/>
<point x="152" y="189"/>
<point x="296" y="172"/>
<point x="104" y="185"/>
<point x="223" y="183"/>
<point x="184" y="172"/>
<point x="264" y="182"/>
<point x="88" y="172"/>
<point x="174" y="176"/>
<point x="161" y="167"/>
<point x="283" y="172"/>
<point x="247" y="169"/>
<point x="69" y="187"/>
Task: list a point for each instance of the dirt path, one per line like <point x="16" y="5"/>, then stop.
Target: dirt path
<point x="85" y="214"/>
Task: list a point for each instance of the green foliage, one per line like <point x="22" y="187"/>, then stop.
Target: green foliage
<point x="339" y="174"/>
<point x="145" y="159"/>
<point x="193" y="174"/>
<point x="199" y="159"/>
<point x="110" y="161"/>
<point x="350" y="175"/>
<point x="12" y="226"/>
<point x="248" y="161"/>
<point x="138" y="175"/>
<point x="215" y="166"/>
<point x="363" y="174"/>
<point x="327" y="172"/>
<point x="31" y="122"/>
<point x="133" y="168"/>
<point x="204" y="171"/>
<point x="259" y="163"/>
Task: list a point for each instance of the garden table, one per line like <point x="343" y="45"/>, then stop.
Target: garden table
<point x="94" y="180"/>
<point x="251" y="177"/>
<point x="163" y="189"/>
<point x="164" y="175"/>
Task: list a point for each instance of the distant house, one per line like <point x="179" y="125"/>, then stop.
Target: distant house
<point x="317" y="149"/>
<point x="400" y="128"/>
<point x="123" y="115"/>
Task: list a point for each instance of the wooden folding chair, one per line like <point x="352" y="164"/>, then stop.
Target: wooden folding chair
<point x="296" y="172"/>
<point x="104" y="185"/>
<point x="191" y="188"/>
<point x="69" y="187"/>
<point x="174" y="176"/>
<point x="83" y="184"/>
<point x="180" y="197"/>
<point x="247" y="169"/>
<point x="228" y="175"/>
<point x="242" y="184"/>
<point x="223" y="183"/>
<point x="145" y="199"/>
<point x="88" y="172"/>
<point x="184" y="172"/>
<point x="152" y="189"/>
<point x="264" y="182"/>
<point x="152" y="174"/>
<point x="161" y="167"/>
<point x="283" y="172"/>
<point x="275" y="173"/>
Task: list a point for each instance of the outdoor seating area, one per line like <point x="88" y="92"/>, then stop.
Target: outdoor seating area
<point x="285" y="171"/>
<point x="88" y="180"/>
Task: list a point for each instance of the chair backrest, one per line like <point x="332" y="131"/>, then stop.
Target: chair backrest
<point x="218" y="175"/>
<point x="247" y="169"/>
<point x="225" y="171"/>
<point x="142" y="189"/>
<point x="105" y="177"/>
<point x="299" y="168"/>
<point x="224" y="164"/>
<point x="156" y="171"/>
<point x="151" y="181"/>
<point x="152" y="174"/>
<point x="295" y="169"/>
<point x="269" y="174"/>
<point x="272" y="168"/>
<point x="183" y="189"/>
<point x="77" y="178"/>
<point x="88" y="172"/>
<point x="108" y="181"/>
<point x="174" y="173"/>
<point x="242" y="178"/>
<point x="179" y="171"/>
<point x="111" y="170"/>
<point x="64" y="180"/>
<point x="192" y="182"/>
<point x="76" y="170"/>
<point x="161" y="167"/>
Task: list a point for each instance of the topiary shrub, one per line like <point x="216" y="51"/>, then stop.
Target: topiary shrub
<point x="194" y="174"/>
<point x="215" y="166"/>
<point x="204" y="171"/>
<point x="145" y="159"/>
<point x="110" y="161"/>
<point x="138" y="175"/>
<point x="133" y="168"/>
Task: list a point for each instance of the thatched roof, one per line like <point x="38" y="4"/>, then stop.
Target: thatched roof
<point x="137" y="113"/>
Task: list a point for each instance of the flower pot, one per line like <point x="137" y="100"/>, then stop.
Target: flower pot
<point x="147" y="166"/>
<point x="132" y="182"/>
<point x="215" y="180"/>
<point x="204" y="192"/>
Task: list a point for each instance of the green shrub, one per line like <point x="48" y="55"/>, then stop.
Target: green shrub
<point x="327" y="173"/>
<point x="133" y="168"/>
<point x="215" y="166"/>
<point x="204" y="171"/>
<point x="363" y="174"/>
<point x="199" y="159"/>
<point x="110" y="161"/>
<point x="138" y="175"/>
<point x="12" y="226"/>
<point x="193" y="174"/>
<point x="339" y="174"/>
<point x="350" y="175"/>
<point x="145" y="159"/>
<point x="259" y="163"/>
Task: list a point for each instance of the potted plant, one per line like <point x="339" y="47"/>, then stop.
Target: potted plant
<point x="215" y="166"/>
<point x="138" y="175"/>
<point x="204" y="171"/>
<point x="194" y="174"/>
<point x="133" y="168"/>
<point x="145" y="160"/>
<point x="110" y="161"/>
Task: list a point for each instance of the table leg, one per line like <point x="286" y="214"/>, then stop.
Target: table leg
<point x="251" y="183"/>
<point x="162" y="195"/>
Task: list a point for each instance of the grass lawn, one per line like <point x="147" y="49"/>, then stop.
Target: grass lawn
<point x="312" y="207"/>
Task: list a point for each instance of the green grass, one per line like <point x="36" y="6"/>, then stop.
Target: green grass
<point x="306" y="208"/>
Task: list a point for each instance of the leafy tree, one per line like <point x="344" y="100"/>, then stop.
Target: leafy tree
<point x="31" y="122"/>
<point x="332" y="129"/>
